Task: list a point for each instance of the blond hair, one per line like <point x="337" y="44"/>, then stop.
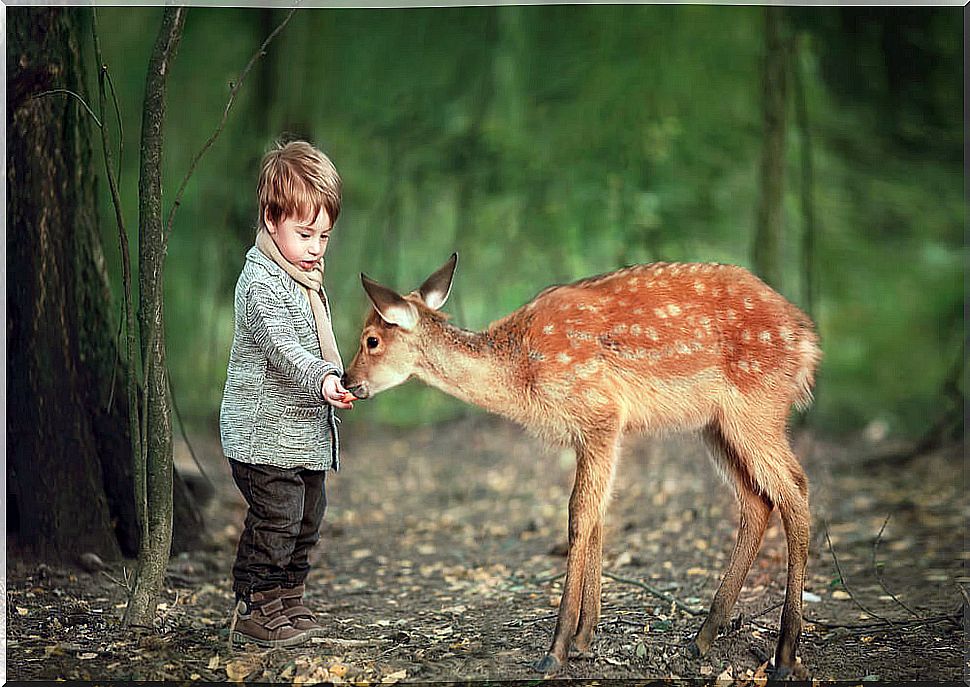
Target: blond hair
<point x="297" y="180"/>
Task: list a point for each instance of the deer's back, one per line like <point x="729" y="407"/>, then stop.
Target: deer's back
<point x="661" y="345"/>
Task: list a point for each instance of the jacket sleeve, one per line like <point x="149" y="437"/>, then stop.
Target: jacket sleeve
<point x="274" y="333"/>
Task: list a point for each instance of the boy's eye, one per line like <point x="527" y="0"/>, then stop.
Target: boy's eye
<point x="372" y="342"/>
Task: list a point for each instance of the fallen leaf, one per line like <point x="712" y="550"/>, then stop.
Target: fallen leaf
<point x="22" y="611"/>
<point x="394" y="677"/>
<point x="239" y="669"/>
<point x="338" y="669"/>
<point x="87" y="656"/>
<point x="214" y="662"/>
<point x="841" y="595"/>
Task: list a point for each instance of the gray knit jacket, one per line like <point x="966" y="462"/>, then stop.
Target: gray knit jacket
<point x="273" y="411"/>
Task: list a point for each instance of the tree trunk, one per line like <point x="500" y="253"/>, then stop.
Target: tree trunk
<point x="768" y="238"/>
<point x="69" y="467"/>
<point x="155" y="548"/>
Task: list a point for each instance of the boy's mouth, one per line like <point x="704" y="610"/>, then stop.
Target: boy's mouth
<point x="307" y="265"/>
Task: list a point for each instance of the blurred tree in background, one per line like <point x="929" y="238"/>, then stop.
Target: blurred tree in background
<point x="548" y="143"/>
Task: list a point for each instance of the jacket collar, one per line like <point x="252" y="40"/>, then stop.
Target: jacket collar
<point x="256" y="256"/>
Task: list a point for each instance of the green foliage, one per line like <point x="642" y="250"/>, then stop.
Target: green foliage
<point x="548" y="143"/>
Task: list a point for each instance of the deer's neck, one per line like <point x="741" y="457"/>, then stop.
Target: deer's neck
<point x="475" y="367"/>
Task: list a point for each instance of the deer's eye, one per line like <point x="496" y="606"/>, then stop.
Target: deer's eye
<point x="372" y="342"/>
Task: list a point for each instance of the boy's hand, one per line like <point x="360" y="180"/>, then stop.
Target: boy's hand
<point x="335" y="393"/>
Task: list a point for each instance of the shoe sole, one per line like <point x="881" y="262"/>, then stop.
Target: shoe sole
<point x="272" y="643"/>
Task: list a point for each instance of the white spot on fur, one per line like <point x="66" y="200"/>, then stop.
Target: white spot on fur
<point x="673" y="310"/>
<point x="743" y="365"/>
<point x="748" y="305"/>
<point x="588" y="368"/>
<point x="659" y="312"/>
<point x="549" y="329"/>
<point x="564" y="358"/>
<point x="683" y="348"/>
<point x="699" y="287"/>
<point x="746" y="335"/>
<point x="765" y="336"/>
<point x="635" y="329"/>
<point x="652" y="333"/>
<point x="731" y="314"/>
<point x="786" y="334"/>
<point x="618" y="329"/>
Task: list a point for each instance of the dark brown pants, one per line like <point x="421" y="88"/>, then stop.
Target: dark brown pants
<point x="286" y="507"/>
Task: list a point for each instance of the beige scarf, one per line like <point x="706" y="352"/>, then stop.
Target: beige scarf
<point x="312" y="283"/>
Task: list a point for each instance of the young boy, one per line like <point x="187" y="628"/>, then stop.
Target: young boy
<point x="277" y="419"/>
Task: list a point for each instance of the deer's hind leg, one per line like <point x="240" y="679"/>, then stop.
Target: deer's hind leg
<point x="755" y="511"/>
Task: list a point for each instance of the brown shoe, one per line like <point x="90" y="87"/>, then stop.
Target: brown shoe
<point x="261" y="620"/>
<point x="299" y="615"/>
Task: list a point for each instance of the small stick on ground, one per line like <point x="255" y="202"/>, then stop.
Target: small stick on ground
<point x="845" y="584"/>
<point x="655" y="592"/>
<point x="875" y="566"/>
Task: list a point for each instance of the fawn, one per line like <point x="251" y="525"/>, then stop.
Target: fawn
<point x="660" y="347"/>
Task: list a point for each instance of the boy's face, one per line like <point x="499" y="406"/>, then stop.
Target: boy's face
<point x="302" y="241"/>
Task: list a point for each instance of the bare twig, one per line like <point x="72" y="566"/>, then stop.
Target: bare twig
<point x="133" y="424"/>
<point x="875" y="566"/>
<point x="656" y="592"/>
<point x="124" y="585"/>
<point x="222" y="123"/>
<point x="336" y="641"/>
<point x="843" y="580"/>
<point x="884" y="624"/>
<point x="58" y="91"/>
<point x="185" y="436"/>
<point x="548" y="578"/>
<point x="121" y="128"/>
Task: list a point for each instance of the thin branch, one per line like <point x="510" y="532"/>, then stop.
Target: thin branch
<point x="185" y="437"/>
<point x="58" y="91"/>
<point x="121" y="128"/>
<point x="875" y="565"/>
<point x="885" y="624"/>
<point x="225" y="116"/>
<point x="656" y="592"/>
<point x="843" y="580"/>
<point x="133" y="425"/>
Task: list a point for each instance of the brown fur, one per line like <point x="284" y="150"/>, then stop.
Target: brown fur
<point x="657" y="348"/>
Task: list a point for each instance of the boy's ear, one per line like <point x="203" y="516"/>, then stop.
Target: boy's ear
<point x="435" y="289"/>
<point x="392" y="308"/>
<point x="267" y="222"/>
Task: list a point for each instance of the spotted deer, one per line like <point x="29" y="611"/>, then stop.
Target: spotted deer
<point x="656" y="348"/>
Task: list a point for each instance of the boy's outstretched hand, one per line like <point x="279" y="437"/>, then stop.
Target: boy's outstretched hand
<point x="335" y="393"/>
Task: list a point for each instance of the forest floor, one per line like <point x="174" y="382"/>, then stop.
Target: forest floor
<point x="441" y="553"/>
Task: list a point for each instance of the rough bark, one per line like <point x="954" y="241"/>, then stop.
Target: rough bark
<point x="157" y="462"/>
<point x="69" y="467"/>
<point x="768" y="237"/>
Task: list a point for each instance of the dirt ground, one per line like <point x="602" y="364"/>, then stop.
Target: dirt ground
<point x="441" y="556"/>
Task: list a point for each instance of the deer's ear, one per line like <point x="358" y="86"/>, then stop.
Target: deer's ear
<point x="392" y="308"/>
<point x="435" y="289"/>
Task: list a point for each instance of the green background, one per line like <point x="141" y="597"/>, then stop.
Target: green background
<point x="549" y="143"/>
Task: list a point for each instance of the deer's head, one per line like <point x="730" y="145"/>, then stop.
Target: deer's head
<point x="389" y="342"/>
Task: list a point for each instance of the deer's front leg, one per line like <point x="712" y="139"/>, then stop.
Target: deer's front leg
<point x="589" y="611"/>
<point x="595" y="463"/>
<point x="569" y="605"/>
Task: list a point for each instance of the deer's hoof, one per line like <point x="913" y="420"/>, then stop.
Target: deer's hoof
<point x="548" y="665"/>
<point x="696" y="650"/>
<point x="798" y="673"/>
